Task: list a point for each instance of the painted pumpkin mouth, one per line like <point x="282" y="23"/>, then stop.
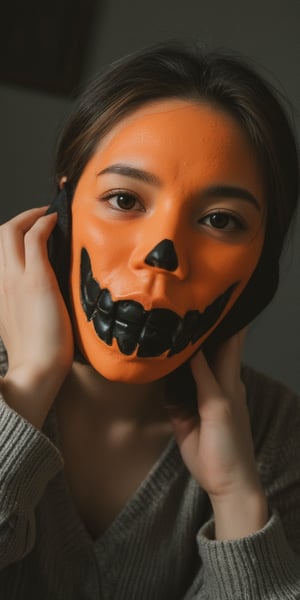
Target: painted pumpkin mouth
<point x="150" y="332"/>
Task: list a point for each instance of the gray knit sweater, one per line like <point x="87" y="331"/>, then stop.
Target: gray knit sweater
<point x="161" y="545"/>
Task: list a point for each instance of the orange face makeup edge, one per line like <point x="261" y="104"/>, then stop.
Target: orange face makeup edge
<point x="160" y="174"/>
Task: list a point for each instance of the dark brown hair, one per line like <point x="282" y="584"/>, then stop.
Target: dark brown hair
<point x="229" y="83"/>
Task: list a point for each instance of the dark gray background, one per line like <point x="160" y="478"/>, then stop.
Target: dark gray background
<point x="265" y="30"/>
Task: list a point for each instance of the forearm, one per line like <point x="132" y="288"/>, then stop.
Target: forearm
<point x="28" y="461"/>
<point x="31" y="394"/>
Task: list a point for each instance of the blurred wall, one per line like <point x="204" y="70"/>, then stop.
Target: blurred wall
<point x="265" y="30"/>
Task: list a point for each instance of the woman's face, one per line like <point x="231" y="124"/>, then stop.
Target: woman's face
<point x="167" y="229"/>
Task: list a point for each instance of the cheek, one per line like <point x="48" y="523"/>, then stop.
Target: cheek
<point x="215" y="264"/>
<point x="110" y="246"/>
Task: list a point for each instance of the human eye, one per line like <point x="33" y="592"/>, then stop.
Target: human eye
<point x="224" y="221"/>
<point x="123" y="201"/>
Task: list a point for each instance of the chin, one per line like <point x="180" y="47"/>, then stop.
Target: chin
<point x="114" y="366"/>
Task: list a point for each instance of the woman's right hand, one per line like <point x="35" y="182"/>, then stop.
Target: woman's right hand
<point x="34" y="322"/>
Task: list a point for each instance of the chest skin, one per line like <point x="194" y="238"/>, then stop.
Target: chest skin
<point x="104" y="465"/>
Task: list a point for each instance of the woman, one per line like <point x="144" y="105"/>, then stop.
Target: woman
<point x="137" y="461"/>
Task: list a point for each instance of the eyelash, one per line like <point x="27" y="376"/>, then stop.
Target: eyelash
<point x="116" y="194"/>
<point x="238" y="223"/>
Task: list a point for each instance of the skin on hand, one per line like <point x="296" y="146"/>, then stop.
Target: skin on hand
<point x="217" y="445"/>
<point x="34" y="323"/>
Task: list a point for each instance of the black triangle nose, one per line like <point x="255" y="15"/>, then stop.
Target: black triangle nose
<point x="163" y="256"/>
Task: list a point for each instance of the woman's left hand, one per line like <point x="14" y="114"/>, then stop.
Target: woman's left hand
<point x="217" y="445"/>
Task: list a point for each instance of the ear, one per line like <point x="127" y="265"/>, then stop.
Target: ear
<point x="59" y="243"/>
<point x="62" y="182"/>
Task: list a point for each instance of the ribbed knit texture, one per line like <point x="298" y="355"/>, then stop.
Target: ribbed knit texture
<point x="161" y="546"/>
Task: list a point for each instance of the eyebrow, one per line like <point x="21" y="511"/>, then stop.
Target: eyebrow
<point x="129" y="171"/>
<point x="230" y="191"/>
<point x="215" y="191"/>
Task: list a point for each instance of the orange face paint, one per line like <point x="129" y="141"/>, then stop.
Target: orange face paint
<point x="167" y="230"/>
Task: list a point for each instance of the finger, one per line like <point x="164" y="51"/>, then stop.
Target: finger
<point x="243" y="334"/>
<point x="26" y="219"/>
<point x="12" y="238"/>
<point x="36" y="240"/>
<point x="205" y="380"/>
<point x="226" y="364"/>
<point x="212" y="402"/>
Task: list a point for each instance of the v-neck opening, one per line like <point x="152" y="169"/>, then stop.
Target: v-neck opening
<point x="152" y="487"/>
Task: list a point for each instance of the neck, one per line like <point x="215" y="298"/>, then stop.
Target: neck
<point x="95" y="397"/>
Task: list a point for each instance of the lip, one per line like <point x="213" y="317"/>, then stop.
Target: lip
<point x="149" y="333"/>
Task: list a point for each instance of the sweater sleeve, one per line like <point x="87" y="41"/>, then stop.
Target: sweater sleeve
<point x="28" y="461"/>
<point x="264" y="565"/>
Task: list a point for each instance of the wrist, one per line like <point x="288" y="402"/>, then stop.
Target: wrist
<point x="240" y="514"/>
<point x="30" y="392"/>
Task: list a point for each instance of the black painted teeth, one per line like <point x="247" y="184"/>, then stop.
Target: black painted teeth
<point x="152" y="332"/>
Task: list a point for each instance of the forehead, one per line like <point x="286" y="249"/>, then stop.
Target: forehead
<point x="190" y="143"/>
<point x="180" y="132"/>
<point x="186" y="123"/>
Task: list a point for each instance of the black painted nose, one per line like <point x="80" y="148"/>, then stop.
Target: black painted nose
<point x="163" y="256"/>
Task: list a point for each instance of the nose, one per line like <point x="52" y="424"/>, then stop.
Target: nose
<point x="163" y="256"/>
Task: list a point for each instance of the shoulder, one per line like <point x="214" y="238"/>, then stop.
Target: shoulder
<point x="259" y="382"/>
<point x="269" y="399"/>
<point x="275" y="421"/>
<point x="267" y="394"/>
<point x="274" y="412"/>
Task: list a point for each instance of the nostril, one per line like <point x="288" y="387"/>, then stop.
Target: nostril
<point x="163" y="256"/>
